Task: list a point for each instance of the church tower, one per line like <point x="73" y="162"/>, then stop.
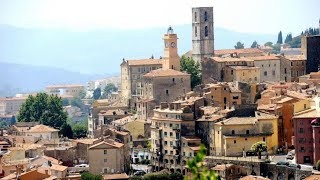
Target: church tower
<point x="171" y="59"/>
<point x="202" y="33"/>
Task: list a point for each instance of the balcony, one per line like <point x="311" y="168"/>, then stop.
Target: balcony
<point x="176" y="128"/>
<point x="248" y="135"/>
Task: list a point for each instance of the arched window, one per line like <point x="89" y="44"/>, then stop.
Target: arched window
<point x="195" y="31"/>
<point x="195" y="16"/>
<point x="206" y="31"/>
<point x="205" y="16"/>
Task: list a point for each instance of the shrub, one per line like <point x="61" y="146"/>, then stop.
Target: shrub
<point x="318" y="165"/>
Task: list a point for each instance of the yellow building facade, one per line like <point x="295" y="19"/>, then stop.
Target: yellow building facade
<point x="234" y="136"/>
<point x="246" y="74"/>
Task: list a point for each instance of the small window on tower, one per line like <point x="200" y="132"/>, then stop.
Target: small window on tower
<point x="206" y="31"/>
<point x="205" y="16"/>
<point x="195" y="31"/>
<point x="195" y="16"/>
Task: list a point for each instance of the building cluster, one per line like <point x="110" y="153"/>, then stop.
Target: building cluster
<point x="247" y="96"/>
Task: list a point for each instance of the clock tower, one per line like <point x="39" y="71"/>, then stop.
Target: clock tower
<point x="171" y="59"/>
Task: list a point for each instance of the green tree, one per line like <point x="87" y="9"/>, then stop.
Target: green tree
<point x="276" y="48"/>
<point x="79" y="131"/>
<point x="89" y="176"/>
<point x="76" y="101"/>
<point x="43" y="108"/>
<point x="193" y="68"/>
<point x="198" y="169"/>
<point x="66" y="131"/>
<point x="280" y="38"/>
<point x="288" y="38"/>
<point x="82" y="94"/>
<point x="108" y="90"/>
<point x="259" y="147"/>
<point x="295" y="42"/>
<point x="254" y="44"/>
<point x="239" y="45"/>
<point x="13" y="120"/>
<point x="270" y="44"/>
<point x="65" y="102"/>
<point x="97" y="93"/>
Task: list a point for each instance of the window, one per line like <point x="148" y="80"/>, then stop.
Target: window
<point x="171" y="134"/>
<point x="305" y="106"/>
<point x="105" y="160"/>
<point x="255" y="78"/>
<point x="235" y="97"/>
<point x="195" y="31"/>
<point x="167" y="92"/>
<point x="195" y="16"/>
<point x="265" y="73"/>
<point x="301" y="130"/>
<point x="273" y="73"/>
<point x="205" y="16"/>
<point x="263" y="139"/>
<point x="206" y="31"/>
<point x="302" y="149"/>
<point x="170" y="125"/>
<point x="291" y="63"/>
<point x="234" y="142"/>
<point x="245" y="139"/>
<point x="165" y="142"/>
<point x="184" y="153"/>
<point x="171" y="152"/>
<point x="247" y="132"/>
<point x="165" y="151"/>
<point x="171" y="143"/>
<point x="232" y="132"/>
<point x="165" y="134"/>
<point x="225" y="100"/>
<point x="297" y="73"/>
<point x="105" y="152"/>
<point x="190" y="154"/>
<point x="173" y="80"/>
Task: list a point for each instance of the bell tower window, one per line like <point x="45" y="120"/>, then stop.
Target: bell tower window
<point x="205" y="16"/>
<point x="195" y="16"/>
<point x="206" y="31"/>
<point x="195" y="31"/>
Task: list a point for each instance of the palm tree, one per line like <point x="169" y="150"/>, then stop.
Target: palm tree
<point x="259" y="147"/>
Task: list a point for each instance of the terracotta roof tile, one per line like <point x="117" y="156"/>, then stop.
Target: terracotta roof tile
<point x="238" y="121"/>
<point x="261" y="58"/>
<point x="250" y="177"/>
<point x="237" y="51"/>
<point x="165" y="73"/>
<point x="111" y="143"/>
<point x="144" y="62"/>
<point x="57" y="167"/>
<point x="229" y="59"/>
<point x="295" y="57"/>
<point x="115" y="176"/>
<point x="42" y="128"/>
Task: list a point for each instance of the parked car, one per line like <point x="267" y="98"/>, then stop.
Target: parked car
<point x="139" y="173"/>
<point x="294" y="166"/>
<point x="82" y="165"/>
<point x="282" y="163"/>
<point x="289" y="156"/>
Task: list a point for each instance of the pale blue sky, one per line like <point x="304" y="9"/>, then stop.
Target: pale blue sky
<point x="263" y="16"/>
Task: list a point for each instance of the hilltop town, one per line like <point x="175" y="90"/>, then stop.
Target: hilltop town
<point x="249" y="113"/>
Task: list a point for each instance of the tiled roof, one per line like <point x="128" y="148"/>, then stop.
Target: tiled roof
<point x="238" y="121"/>
<point x="295" y="57"/>
<point x="229" y="59"/>
<point x="111" y="143"/>
<point x="145" y="62"/>
<point x="13" y="99"/>
<point x="262" y="115"/>
<point x="222" y="167"/>
<point x="165" y="73"/>
<point x="313" y="177"/>
<point x="195" y="148"/>
<point x="238" y="51"/>
<point x="244" y="67"/>
<point x="310" y="113"/>
<point x="42" y="128"/>
<point x="66" y="86"/>
<point x="190" y="138"/>
<point x="262" y="58"/>
<point x="115" y="176"/>
<point x="57" y="167"/>
<point x="85" y="141"/>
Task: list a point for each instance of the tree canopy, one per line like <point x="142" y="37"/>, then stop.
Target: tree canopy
<point x="254" y="44"/>
<point x="80" y="131"/>
<point x="280" y="38"/>
<point x="97" y="93"/>
<point x="66" y="131"/>
<point x="288" y="38"/>
<point x="108" y="90"/>
<point x="239" y="45"/>
<point x="192" y="68"/>
<point x="43" y="108"/>
<point x="76" y="101"/>
<point x="259" y="147"/>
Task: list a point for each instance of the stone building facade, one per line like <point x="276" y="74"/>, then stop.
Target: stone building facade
<point x="169" y="124"/>
<point x="292" y="67"/>
<point x="244" y="74"/>
<point x="162" y="86"/>
<point x="202" y="33"/>
<point x="11" y="106"/>
<point x="67" y="90"/>
<point x="269" y="68"/>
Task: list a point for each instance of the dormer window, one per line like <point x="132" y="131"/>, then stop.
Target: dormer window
<point x="206" y="31"/>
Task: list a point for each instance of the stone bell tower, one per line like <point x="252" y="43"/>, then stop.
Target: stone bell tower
<point x="202" y="33"/>
<point x="171" y="57"/>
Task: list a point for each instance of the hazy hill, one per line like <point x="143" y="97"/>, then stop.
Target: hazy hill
<point x="93" y="52"/>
